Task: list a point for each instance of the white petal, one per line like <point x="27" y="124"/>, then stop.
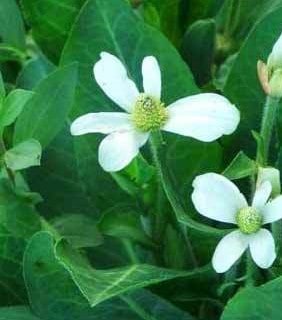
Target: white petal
<point x="151" y="77"/>
<point x="112" y="77"/>
<point x="275" y="58"/>
<point x="217" y="198"/>
<point x="205" y="117"/>
<point x="229" y="250"/>
<point x="262" y="248"/>
<point x="118" y="149"/>
<point x="273" y="210"/>
<point x="102" y="122"/>
<point x="273" y="176"/>
<point x="262" y="194"/>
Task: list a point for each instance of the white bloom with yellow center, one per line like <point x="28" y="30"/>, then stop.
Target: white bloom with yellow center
<point x="205" y="117"/>
<point x="217" y="198"/>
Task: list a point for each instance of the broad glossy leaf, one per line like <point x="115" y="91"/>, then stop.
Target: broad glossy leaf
<point x="260" y="303"/>
<point x="13" y="106"/>
<point x="17" y="313"/>
<point x="69" y="181"/>
<point x="54" y="296"/>
<point x="24" y="155"/>
<point x="45" y="114"/>
<point x="243" y="87"/>
<point x="51" y="22"/>
<point x="12" y="26"/>
<point x="100" y="285"/>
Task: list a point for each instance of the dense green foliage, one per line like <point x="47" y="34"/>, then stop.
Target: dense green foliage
<point x="80" y="243"/>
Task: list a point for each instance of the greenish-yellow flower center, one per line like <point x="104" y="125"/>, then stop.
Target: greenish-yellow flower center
<point x="149" y="113"/>
<point x="249" y="220"/>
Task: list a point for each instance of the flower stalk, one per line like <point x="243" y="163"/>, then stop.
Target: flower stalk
<point x="267" y="125"/>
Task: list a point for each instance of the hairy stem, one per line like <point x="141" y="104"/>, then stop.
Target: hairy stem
<point x="267" y="125"/>
<point x="250" y="270"/>
<point x="266" y="131"/>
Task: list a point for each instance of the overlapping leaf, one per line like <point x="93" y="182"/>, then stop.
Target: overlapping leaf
<point x="51" y="22"/>
<point x="54" y="296"/>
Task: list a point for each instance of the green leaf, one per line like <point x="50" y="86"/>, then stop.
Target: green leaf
<point x="187" y="158"/>
<point x="223" y="71"/>
<point x="124" y="222"/>
<point x="240" y="167"/>
<point x="45" y="114"/>
<point x="202" y="9"/>
<point x="24" y="155"/>
<point x="150" y="14"/>
<point x="12" y="26"/>
<point x="135" y="179"/>
<point x="169" y="17"/>
<point x="237" y="17"/>
<point x="54" y="296"/>
<point x="198" y="49"/>
<point x="18" y="222"/>
<point x="17" y="313"/>
<point x="260" y="303"/>
<point x="33" y="72"/>
<point x="175" y="250"/>
<point x="70" y="177"/>
<point x="100" y="285"/>
<point x="10" y="53"/>
<point x="13" y="106"/>
<point x="51" y="22"/>
<point x="243" y="87"/>
<point x="81" y="231"/>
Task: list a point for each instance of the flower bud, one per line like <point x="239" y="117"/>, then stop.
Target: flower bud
<point x="274" y="60"/>
<point x="270" y="74"/>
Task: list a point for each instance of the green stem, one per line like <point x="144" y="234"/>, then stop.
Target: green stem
<point x="160" y="218"/>
<point x="267" y="125"/>
<point x="250" y="270"/>
<point x="268" y="122"/>
<point x="157" y="148"/>
<point x="266" y="131"/>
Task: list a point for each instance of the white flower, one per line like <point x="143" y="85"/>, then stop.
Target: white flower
<point x="205" y="117"/>
<point x="274" y="60"/>
<point x="219" y="199"/>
